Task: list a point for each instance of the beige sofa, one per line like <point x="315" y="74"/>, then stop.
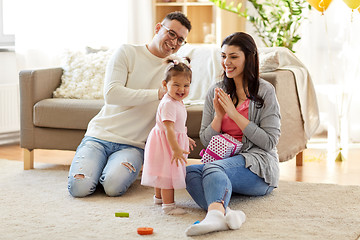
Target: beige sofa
<point x="58" y="123"/>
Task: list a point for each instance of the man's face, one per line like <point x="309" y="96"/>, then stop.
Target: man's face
<point x="169" y="34"/>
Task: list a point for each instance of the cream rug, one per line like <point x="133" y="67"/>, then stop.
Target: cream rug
<point x="35" y="204"/>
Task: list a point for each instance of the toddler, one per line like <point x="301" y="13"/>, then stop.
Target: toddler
<point x="167" y="145"/>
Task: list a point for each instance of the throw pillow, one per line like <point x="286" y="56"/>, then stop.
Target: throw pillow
<point x="83" y="75"/>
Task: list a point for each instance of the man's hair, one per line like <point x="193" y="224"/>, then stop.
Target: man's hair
<point x="179" y="16"/>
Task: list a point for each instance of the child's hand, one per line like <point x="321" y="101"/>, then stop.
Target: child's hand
<point x="192" y="144"/>
<point x="178" y="156"/>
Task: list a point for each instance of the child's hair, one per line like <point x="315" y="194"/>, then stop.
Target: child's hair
<point x="177" y="67"/>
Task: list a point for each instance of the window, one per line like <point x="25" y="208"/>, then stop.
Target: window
<point x="7" y="37"/>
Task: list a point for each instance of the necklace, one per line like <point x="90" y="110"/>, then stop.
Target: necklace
<point x="243" y="98"/>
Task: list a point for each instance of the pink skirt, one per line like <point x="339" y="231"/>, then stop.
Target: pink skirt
<point x="158" y="171"/>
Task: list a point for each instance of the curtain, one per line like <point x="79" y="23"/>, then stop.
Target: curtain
<point x="141" y="26"/>
<point x="330" y="49"/>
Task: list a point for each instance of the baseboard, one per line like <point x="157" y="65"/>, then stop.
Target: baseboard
<point x="9" y="138"/>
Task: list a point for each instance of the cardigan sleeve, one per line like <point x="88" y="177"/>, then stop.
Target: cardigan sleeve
<point x="266" y="133"/>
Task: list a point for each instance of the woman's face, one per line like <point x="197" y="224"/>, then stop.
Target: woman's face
<point x="233" y="61"/>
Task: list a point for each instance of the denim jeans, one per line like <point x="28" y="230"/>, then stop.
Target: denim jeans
<point x="216" y="181"/>
<point x="116" y="166"/>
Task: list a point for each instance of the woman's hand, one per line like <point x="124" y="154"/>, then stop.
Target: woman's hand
<point x="219" y="110"/>
<point x="227" y="104"/>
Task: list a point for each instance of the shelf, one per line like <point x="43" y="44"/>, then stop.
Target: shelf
<point x="201" y="14"/>
<point x="209" y="23"/>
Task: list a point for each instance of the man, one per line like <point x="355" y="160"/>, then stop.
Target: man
<point x="112" y="150"/>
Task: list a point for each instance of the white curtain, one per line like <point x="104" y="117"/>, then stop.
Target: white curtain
<point x="45" y="28"/>
<point x="141" y="25"/>
<point x="330" y="48"/>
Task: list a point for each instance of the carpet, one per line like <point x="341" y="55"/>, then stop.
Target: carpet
<point x="35" y="204"/>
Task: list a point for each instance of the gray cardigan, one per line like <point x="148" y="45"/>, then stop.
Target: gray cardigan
<point x="260" y="136"/>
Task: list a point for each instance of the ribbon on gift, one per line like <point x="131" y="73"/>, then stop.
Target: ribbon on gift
<point x="211" y="153"/>
<point x="214" y="155"/>
<point x="233" y="151"/>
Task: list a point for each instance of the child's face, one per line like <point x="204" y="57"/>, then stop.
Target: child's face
<point x="178" y="87"/>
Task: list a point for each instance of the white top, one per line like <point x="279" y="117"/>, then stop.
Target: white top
<point x="132" y="79"/>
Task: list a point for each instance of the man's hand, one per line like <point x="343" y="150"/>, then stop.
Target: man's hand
<point x="161" y="92"/>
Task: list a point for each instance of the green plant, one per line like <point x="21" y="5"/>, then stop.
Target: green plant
<point x="276" y="21"/>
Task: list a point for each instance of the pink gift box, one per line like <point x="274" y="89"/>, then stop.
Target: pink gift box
<point x="220" y="147"/>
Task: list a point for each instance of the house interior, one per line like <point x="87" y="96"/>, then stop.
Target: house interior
<point x="53" y="56"/>
<point x="328" y="48"/>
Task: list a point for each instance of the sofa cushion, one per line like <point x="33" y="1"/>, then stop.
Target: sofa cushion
<point x="193" y="122"/>
<point x="65" y="113"/>
<point x="76" y="114"/>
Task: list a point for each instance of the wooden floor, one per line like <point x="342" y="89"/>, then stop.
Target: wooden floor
<point x="319" y="165"/>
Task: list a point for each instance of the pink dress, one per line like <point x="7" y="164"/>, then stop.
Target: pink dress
<point x="158" y="171"/>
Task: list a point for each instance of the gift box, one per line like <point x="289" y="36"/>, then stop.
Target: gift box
<point x="220" y="147"/>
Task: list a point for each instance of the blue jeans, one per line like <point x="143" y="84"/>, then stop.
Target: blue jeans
<point x="216" y="181"/>
<point x="116" y="166"/>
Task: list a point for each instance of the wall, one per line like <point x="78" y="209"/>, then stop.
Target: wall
<point x="10" y="129"/>
<point x="8" y="68"/>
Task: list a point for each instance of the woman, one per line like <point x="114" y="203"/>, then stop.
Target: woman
<point x="246" y="107"/>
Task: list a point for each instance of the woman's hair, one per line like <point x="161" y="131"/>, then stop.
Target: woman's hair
<point x="177" y="67"/>
<point x="251" y="69"/>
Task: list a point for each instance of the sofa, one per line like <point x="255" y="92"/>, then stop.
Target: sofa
<point x="60" y="123"/>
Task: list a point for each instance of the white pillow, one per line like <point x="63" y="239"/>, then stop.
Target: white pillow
<point x="83" y="76"/>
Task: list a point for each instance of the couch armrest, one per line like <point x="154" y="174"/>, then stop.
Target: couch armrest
<point x="292" y="140"/>
<point x="35" y="85"/>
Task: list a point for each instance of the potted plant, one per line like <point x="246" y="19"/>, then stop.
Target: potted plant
<point x="276" y="21"/>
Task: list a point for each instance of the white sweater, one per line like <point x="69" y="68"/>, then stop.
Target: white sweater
<point x="132" y="79"/>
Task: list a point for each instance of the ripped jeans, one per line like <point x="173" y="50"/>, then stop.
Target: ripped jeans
<point x="116" y="166"/>
<point x="216" y="181"/>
